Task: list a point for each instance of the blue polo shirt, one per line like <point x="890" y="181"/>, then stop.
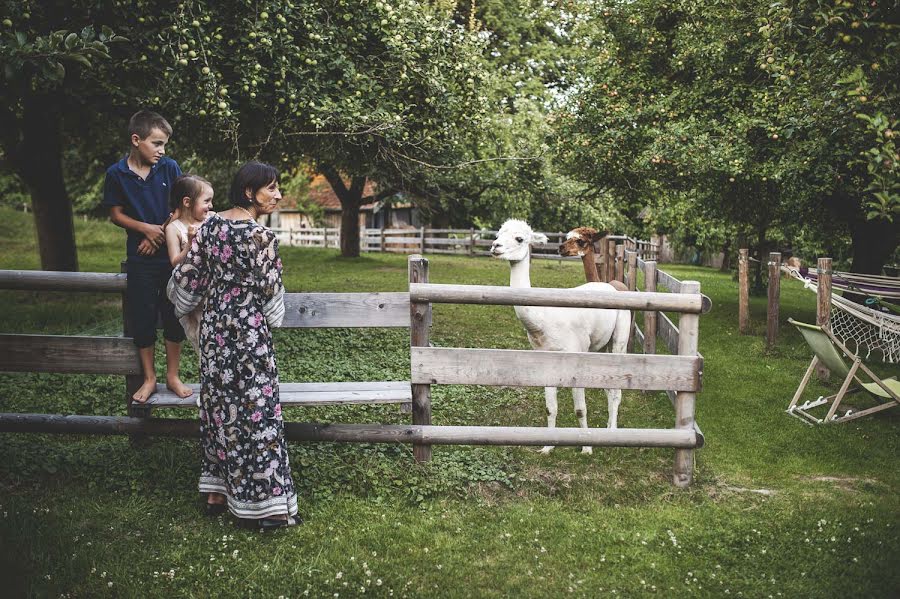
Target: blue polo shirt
<point x="145" y="200"/>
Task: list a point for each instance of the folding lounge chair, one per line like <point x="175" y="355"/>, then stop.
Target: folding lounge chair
<point x="830" y="352"/>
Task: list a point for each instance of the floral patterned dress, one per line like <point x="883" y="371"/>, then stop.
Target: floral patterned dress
<point x="234" y="266"/>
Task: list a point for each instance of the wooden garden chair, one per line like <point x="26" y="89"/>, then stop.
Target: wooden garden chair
<point x="830" y="352"/>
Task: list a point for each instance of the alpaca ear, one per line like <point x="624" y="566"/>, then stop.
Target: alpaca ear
<point x="538" y="238"/>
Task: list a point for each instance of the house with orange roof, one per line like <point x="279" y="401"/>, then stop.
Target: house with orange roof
<point x="395" y="212"/>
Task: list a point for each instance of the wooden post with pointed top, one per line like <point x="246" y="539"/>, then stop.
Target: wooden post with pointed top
<point x="420" y="320"/>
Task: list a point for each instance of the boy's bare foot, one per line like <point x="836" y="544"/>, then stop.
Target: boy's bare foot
<point x="145" y="391"/>
<point x="178" y="388"/>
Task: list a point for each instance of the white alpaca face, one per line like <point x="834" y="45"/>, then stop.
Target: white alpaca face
<point x="514" y="241"/>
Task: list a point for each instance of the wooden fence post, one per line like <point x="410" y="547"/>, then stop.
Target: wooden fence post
<point x="688" y="335"/>
<point x="381" y="244"/>
<point x="632" y="270"/>
<point x="620" y="262"/>
<point x="610" y="260"/>
<point x="420" y="320"/>
<point x="472" y="241"/>
<point x="772" y="312"/>
<point x="650" y="316"/>
<point x="823" y="305"/>
<point x="422" y="245"/>
<point x="631" y="281"/>
<point x="325" y="237"/>
<point x="744" y="291"/>
<point x="600" y="260"/>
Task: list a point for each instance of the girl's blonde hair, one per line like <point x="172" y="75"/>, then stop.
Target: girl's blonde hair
<point x="186" y="186"/>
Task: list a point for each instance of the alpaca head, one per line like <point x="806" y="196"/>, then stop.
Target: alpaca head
<point x="514" y="241"/>
<point x="580" y="240"/>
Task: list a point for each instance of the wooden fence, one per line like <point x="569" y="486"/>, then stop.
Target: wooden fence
<point x="466" y="242"/>
<point x="680" y="374"/>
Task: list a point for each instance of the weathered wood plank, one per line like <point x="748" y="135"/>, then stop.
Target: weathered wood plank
<point x="44" y="280"/>
<point x="316" y="310"/>
<point x="668" y="281"/>
<point x="668" y="332"/>
<point x="362" y="433"/>
<point x="308" y="394"/>
<point x="447" y="241"/>
<point x="68" y="354"/>
<point x="543" y="296"/>
<point x="526" y="368"/>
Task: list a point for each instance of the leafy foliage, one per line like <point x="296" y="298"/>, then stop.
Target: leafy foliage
<point x="740" y="109"/>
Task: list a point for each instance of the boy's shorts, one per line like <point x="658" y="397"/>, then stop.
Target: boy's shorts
<point x="147" y="301"/>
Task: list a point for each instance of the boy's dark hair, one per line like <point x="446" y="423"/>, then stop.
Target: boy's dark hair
<point x="254" y="175"/>
<point x="143" y="122"/>
<point x="186" y="186"/>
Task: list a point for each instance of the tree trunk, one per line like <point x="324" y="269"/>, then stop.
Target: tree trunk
<point x="726" y="256"/>
<point x="351" y="200"/>
<point x="38" y="161"/>
<point x="350" y="230"/>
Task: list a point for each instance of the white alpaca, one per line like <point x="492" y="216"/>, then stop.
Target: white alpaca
<point x="562" y="329"/>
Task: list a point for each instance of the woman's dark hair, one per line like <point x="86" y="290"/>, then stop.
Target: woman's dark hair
<point x="186" y="186"/>
<point x="253" y="175"/>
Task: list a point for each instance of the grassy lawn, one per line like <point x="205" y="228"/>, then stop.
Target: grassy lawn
<point x="777" y="508"/>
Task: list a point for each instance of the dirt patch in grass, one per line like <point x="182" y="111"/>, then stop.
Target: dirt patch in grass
<point x="850" y="484"/>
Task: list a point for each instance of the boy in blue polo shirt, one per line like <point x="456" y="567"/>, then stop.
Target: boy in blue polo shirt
<point x="136" y="191"/>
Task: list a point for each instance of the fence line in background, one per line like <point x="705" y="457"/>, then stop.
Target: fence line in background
<point x="470" y="242"/>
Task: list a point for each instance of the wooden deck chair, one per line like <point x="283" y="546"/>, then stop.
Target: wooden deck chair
<point x="830" y="352"/>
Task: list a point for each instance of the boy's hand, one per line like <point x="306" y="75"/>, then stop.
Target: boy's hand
<point x="156" y="234"/>
<point x="147" y="247"/>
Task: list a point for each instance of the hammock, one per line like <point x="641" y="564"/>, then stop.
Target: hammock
<point x="872" y="285"/>
<point x="863" y="327"/>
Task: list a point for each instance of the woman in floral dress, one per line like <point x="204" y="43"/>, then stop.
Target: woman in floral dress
<point x="233" y="263"/>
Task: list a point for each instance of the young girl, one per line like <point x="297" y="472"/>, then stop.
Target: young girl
<point x="190" y="200"/>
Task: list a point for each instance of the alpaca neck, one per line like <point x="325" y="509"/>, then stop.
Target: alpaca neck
<point x="520" y="272"/>
<point x="590" y="266"/>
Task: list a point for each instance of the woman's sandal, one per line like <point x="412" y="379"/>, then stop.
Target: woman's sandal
<point x="214" y="509"/>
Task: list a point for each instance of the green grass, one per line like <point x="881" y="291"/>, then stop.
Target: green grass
<point x="777" y="508"/>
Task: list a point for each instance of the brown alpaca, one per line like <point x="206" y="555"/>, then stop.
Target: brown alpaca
<point x="580" y="242"/>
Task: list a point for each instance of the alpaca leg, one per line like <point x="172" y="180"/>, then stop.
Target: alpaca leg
<point x="581" y="414"/>
<point x="613" y="398"/>
<point x="619" y="346"/>
<point x="550" y="399"/>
